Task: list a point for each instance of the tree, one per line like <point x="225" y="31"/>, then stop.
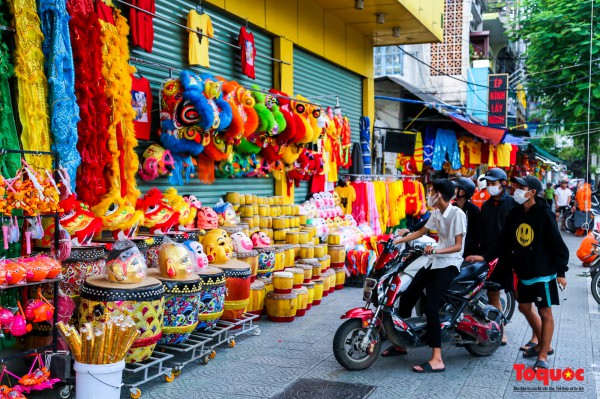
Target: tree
<point x="557" y="35"/>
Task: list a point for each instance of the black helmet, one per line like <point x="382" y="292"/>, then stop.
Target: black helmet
<point x="495" y="174"/>
<point x="465" y="184"/>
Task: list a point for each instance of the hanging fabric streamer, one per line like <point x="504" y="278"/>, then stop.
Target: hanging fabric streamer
<point x="365" y="142"/>
<point x="9" y="163"/>
<point x="61" y="84"/>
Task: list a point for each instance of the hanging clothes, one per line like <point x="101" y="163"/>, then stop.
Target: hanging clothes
<point x="360" y="208"/>
<point x="365" y="142"/>
<point x="445" y="144"/>
<point x="474" y="152"/>
<point x="428" y="145"/>
<point x="248" y="51"/>
<point x="503" y="152"/>
<point x="357" y="167"/>
<point x="198" y="44"/>
<point x="373" y="216"/>
<point x="347" y="197"/>
<point x="141" y="101"/>
<point x="64" y="111"/>
<point x="141" y="24"/>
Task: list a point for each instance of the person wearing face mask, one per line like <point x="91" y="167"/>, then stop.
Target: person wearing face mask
<point x="465" y="188"/>
<point x="481" y="193"/>
<point x="531" y="243"/>
<point x="437" y="275"/>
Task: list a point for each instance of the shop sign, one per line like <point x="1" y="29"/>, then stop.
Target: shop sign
<point x="497" y="100"/>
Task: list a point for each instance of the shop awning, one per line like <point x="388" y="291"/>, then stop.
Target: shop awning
<point x="419" y="93"/>
<point x="491" y="134"/>
<point x="545" y="154"/>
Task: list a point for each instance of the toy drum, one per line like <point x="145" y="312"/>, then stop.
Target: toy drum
<point x="232" y="196"/>
<point x="281" y="307"/>
<point x="250" y="199"/>
<point x="181" y="236"/>
<point x="331" y="275"/>
<point x="302" y="299"/>
<point x="180" y="317"/>
<point x="279" y="223"/>
<point x="303" y="219"/>
<point x="279" y="235"/>
<point x="211" y="298"/>
<point x="280" y="257"/>
<point x="340" y="278"/>
<point x="333" y="239"/>
<point x="338" y="254"/>
<point x="307" y="251"/>
<point x="232" y="229"/>
<point x="326" y="283"/>
<point x="246" y="211"/>
<point x="316" y="241"/>
<point x="83" y="262"/>
<point x="251" y="258"/>
<point x="144" y="302"/>
<point x="295" y="210"/>
<point x="256" y="220"/>
<point x="325" y="263"/>
<point x="266" y="222"/>
<point x="264" y="210"/>
<point x="152" y="258"/>
<point x="311" y="230"/>
<point x="292" y="238"/>
<point x="256" y="302"/>
<point x="307" y="269"/>
<point x="249" y="221"/>
<point x="283" y="282"/>
<point x="268" y="282"/>
<point x="302" y="237"/>
<point x="237" y="281"/>
<point x="311" y="293"/>
<point x="320" y="250"/>
<point x="266" y="261"/>
<point x="286" y="209"/>
<point x="290" y="255"/>
<point x="318" y="292"/>
<point x="298" y="276"/>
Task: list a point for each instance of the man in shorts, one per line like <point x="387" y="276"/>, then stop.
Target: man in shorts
<point x="531" y="243"/>
<point x="562" y="200"/>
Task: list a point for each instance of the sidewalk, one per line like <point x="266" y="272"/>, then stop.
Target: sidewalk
<point x="263" y="366"/>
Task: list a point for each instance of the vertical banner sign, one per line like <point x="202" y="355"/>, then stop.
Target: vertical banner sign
<point x="497" y="100"/>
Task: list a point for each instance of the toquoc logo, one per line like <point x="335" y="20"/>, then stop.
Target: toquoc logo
<point x="529" y="374"/>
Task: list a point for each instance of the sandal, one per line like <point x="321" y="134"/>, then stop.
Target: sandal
<point x="528" y="345"/>
<point x="392" y="351"/>
<point x="540" y="364"/>
<point x="426" y="368"/>
<point x="531" y="352"/>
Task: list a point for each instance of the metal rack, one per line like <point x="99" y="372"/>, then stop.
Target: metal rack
<point x="226" y="331"/>
<point x="149" y="369"/>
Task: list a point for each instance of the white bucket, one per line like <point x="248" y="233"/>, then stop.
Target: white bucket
<point x="99" y="381"/>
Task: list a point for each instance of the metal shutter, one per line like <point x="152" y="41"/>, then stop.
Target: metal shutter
<point x="314" y="78"/>
<point x="171" y="49"/>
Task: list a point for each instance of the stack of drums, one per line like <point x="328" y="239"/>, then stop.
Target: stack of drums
<point x="340" y="277"/>
<point x="290" y="254"/>
<point x="251" y="258"/>
<point x="83" y="262"/>
<point x="212" y="297"/>
<point x="280" y="257"/>
<point x="311" y="293"/>
<point x="266" y="261"/>
<point x="308" y="270"/>
<point x="307" y="251"/>
<point x="318" y="295"/>
<point x="338" y="255"/>
<point x="237" y="283"/>
<point x="268" y="282"/>
<point x="302" y="298"/>
<point x="298" y="275"/>
<point x="282" y="303"/>
<point x="256" y="302"/>
<point x="180" y="317"/>
<point x="325" y="262"/>
<point x="330" y="274"/>
<point x="143" y="301"/>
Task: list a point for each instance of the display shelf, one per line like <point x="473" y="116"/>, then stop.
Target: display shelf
<point x="29" y="284"/>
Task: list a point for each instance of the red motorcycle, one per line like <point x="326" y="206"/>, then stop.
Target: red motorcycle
<point x="467" y="320"/>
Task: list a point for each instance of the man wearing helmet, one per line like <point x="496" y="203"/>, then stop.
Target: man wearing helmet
<point x="465" y="188"/>
<point x="493" y="215"/>
<point x="481" y="194"/>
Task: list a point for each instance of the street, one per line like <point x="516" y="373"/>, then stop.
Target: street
<point x="263" y="366"/>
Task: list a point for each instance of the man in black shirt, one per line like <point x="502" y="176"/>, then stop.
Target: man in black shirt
<point x="465" y="188"/>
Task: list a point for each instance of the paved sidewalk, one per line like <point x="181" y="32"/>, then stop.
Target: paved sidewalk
<point x="262" y="366"/>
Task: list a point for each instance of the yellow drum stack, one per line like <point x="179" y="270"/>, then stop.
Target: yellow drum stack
<point x="302" y="298"/>
<point x="310" y="287"/>
<point x="337" y="254"/>
<point x="256" y="302"/>
<point x="318" y="295"/>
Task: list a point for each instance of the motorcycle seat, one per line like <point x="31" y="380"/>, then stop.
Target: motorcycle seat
<point x="469" y="270"/>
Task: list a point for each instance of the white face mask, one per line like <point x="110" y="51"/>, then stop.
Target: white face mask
<point x="494" y="190"/>
<point x="519" y="196"/>
<point x="432" y="200"/>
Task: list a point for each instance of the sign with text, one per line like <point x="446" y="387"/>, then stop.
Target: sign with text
<point x="497" y="99"/>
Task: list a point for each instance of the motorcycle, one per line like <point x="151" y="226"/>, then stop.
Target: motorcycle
<point x="594" y="265"/>
<point x="466" y="319"/>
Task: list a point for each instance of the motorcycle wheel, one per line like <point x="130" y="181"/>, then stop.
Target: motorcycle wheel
<point x="346" y="346"/>
<point x="570" y="223"/>
<point x="479" y="350"/>
<point x="596" y="287"/>
<point x="508" y="302"/>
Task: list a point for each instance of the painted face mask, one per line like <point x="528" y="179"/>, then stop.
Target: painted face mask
<point x="125" y="264"/>
<point x="174" y="261"/>
<point x="217" y="246"/>
<point x="241" y="242"/>
<point x="261" y="239"/>
<point x="207" y="218"/>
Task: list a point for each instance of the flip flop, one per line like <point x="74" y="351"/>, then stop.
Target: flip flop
<point x="393" y="351"/>
<point x="531" y="352"/>
<point x="527" y="346"/>
<point x="426" y="368"/>
<point x="540" y="364"/>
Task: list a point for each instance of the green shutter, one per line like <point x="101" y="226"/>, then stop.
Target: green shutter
<point x="171" y="49"/>
<point x="314" y="78"/>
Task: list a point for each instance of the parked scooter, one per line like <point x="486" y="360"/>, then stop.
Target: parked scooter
<point x="589" y="253"/>
<point x="466" y="319"/>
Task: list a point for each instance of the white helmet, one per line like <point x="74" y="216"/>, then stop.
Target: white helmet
<point x="481" y="183"/>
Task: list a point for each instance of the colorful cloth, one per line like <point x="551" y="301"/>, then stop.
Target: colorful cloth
<point x="428" y="145"/>
<point x="365" y="142"/>
<point x="141" y="101"/>
<point x="248" y="50"/>
<point x="474" y="152"/>
<point x="445" y="143"/>
<point x="61" y="84"/>
<point x="142" y="29"/>
<point x="198" y="44"/>
<point x="347" y="197"/>
<point x="503" y="152"/>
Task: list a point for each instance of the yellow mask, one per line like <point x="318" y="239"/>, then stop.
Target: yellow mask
<point x="217" y="246"/>
<point x="174" y="261"/>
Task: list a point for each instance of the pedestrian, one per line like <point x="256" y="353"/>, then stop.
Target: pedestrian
<point x="562" y="199"/>
<point x="481" y="194"/>
<point x="442" y="267"/>
<point x="493" y="216"/>
<point x="465" y="188"/>
<point x="549" y="194"/>
<point x="531" y="242"/>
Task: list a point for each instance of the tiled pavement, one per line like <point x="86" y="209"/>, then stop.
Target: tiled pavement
<point x="262" y="366"/>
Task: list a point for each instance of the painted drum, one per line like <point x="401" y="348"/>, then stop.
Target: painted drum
<point x="283" y="282"/>
<point x="302" y="299"/>
<point x="303" y="237"/>
<point x="83" y="262"/>
<point x="325" y="263"/>
<point x="307" y="272"/>
<point x="237" y="281"/>
<point x="266" y="261"/>
<point x="144" y="302"/>
<point x="251" y="258"/>
<point x="290" y="255"/>
<point x="311" y="293"/>
<point x="340" y="278"/>
<point x="307" y="251"/>
<point x="212" y="297"/>
<point x="298" y="276"/>
<point x="337" y="253"/>
<point x="256" y="302"/>
<point x="320" y="250"/>
<point x="232" y="196"/>
<point x="318" y="291"/>
<point x="281" y="307"/>
<point x="280" y="256"/>
<point x="268" y="282"/>
<point x="333" y="239"/>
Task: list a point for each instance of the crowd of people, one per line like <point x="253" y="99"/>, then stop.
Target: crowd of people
<point x="509" y="220"/>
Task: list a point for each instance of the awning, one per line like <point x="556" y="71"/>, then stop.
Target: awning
<point x="419" y="93"/>
<point x="491" y="134"/>
<point x="540" y="151"/>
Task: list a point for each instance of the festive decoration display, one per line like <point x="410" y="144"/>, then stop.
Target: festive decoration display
<point x="159" y="216"/>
